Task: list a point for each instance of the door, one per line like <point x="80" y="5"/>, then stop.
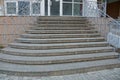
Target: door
<point x="54" y="7"/>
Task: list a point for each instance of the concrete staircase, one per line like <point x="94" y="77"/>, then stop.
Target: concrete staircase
<point x="58" y="46"/>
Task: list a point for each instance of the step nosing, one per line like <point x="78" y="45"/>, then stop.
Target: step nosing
<point x="62" y="38"/>
<point x="53" y="58"/>
<point x="62" y="44"/>
<point x="57" y="67"/>
<point x="55" y="50"/>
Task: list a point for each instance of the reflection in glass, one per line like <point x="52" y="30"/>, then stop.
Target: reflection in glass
<point x="11" y="8"/>
<point x="46" y="7"/>
<point x="23" y="8"/>
<point x="55" y="7"/>
<point x="78" y="9"/>
<point x="77" y="0"/>
<point x="67" y="8"/>
<point x="67" y="0"/>
<point x="36" y="8"/>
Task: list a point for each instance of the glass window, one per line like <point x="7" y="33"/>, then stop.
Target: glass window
<point x="67" y="8"/>
<point x="67" y="0"/>
<point x="46" y="7"/>
<point x="77" y="0"/>
<point x="23" y="7"/>
<point x="78" y="9"/>
<point x="36" y="8"/>
<point x="11" y="7"/>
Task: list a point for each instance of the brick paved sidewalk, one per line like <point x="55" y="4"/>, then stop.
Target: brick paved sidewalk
<point x="112" y="74"/>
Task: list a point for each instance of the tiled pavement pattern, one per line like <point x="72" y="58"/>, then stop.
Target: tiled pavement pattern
<point x="111" y="74"/>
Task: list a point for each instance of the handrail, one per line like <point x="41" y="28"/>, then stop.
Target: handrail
<point x="109" y="17"/>
<point x="108" y="27"/>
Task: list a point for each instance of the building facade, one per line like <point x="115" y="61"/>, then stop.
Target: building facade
<point x="46" y="7"/>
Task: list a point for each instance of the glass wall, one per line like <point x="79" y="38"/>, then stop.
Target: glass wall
<point x="46" y="7"/>
<point x="73" y="7"/>
<point x="55" y="7"/>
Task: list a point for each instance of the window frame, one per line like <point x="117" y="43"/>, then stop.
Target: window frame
<point x="16" y="1"/>
<point x="6" y="8"/>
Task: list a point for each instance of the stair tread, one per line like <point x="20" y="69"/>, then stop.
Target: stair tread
<point x="54" y="58"/>
<point x="56" y="67"/>
<point x="58" y="34"/>
<point x="53" y="50"/>
<point x="62" y="44"/>
<point x="63" y="30"/>
<point x="60" y="38"/>
<point x="60" y="30"/>
<point x="47" y="36"/>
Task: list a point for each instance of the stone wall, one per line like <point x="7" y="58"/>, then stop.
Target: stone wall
<point x="101" y="24"/>
<point x="12" y="27"/>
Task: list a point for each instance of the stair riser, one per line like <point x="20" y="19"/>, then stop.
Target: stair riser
<point x="58" y="41"/>
<point x="58" y="61"/>
<point x="62" y="72"/>
<point x="62" y="22"/>
<point x="58" y="54"/>
<point x="62" y="19"/>
<point x="59" y="36"/>
<point x="62" y="28"/>
<point x="60" y="32"/>
<point x="57" y="47"/>
<point x="62" y="25"/>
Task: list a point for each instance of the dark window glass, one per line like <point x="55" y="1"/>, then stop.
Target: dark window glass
<point x="67" y="8"/>
<point x="11" y="8"/>
<point x="23" y="8"/>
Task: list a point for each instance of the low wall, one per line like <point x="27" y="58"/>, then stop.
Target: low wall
<point x="101" y="24"/>
<point x="12" y="27"/>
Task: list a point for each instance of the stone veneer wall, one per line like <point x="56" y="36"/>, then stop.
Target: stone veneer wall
<point x="101" y="25"/>
<point x="12" y="27"/>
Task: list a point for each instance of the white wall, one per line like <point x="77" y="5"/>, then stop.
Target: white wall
<point x="90" y="7"/>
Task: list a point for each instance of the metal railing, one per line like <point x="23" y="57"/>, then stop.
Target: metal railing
<point x="107" y="26"/>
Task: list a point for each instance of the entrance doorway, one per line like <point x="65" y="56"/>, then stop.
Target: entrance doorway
<point x="55" y="7"/>
<point x="52" y="7"/>
<point x="64" y="7"/>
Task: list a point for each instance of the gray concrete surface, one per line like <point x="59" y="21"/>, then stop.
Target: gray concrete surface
<point x="111" y="74"/>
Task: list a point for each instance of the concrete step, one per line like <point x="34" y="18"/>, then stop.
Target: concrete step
<point x="57" y="69"/>
<point x="57" y="46"/>
<point x="56" y="52"/>
<point x="49" y="36"/>
<point x="62" y="25"/>
<point x="61" y="28"/>
<point x="62" y="22"/>
<point x="56" y="59"/>
<point x="59" y="40"/>
<point x="61" y="31"/>
<point x="55" y="18"/>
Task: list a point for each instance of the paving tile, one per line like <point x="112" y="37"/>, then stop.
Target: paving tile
<point x="112" y="74"/>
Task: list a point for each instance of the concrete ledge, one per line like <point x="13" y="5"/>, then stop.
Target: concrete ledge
<point x="113" y="40"/>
